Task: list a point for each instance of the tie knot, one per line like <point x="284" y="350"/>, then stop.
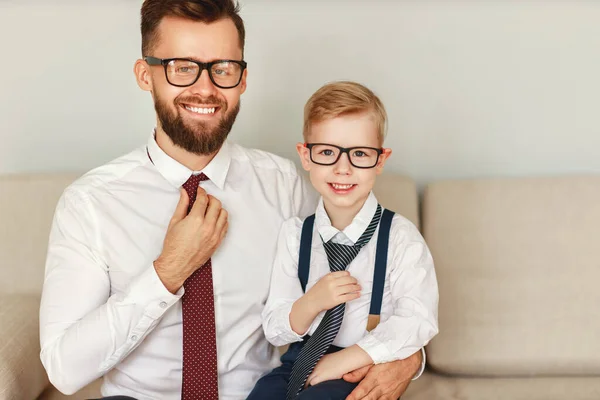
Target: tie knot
<point x="191" y="186"/>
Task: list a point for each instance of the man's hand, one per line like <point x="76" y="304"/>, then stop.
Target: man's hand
<point x="384" y="381"/>
<point x="191" y="239"/>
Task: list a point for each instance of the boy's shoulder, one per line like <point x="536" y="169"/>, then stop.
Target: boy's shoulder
<point x="403" y="230"/>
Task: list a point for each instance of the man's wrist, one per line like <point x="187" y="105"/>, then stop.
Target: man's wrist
<point x="171" y="283"/>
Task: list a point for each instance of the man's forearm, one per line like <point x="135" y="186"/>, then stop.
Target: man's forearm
<point x="76" y="353"/>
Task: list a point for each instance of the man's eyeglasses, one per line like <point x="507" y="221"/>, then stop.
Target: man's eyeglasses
<point x="329" y="154"/>
<point x="183" y="72"/>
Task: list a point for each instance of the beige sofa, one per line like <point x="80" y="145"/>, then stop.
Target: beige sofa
<point x="518" y="262"/>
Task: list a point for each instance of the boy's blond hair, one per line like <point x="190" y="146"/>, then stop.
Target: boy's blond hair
<point x="337" y="99"/>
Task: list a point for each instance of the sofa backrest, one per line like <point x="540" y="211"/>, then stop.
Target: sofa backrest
<point x="399" y="194"/>
<point x="518" y="266"/>
<point x="27" y="204"/>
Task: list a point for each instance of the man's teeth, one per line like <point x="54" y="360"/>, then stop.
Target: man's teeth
<point x="337" y="186"/>
<point x="201" y="110"/>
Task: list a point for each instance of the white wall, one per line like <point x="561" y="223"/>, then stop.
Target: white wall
<point x="488" y="88"/>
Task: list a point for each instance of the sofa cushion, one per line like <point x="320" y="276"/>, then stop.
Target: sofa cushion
<point x="437" y="387"/>
<point x="27" y="204"/>
<point x="518" y="265"/>
<point x="22" y="375"/>
<point x="91" y="391"/>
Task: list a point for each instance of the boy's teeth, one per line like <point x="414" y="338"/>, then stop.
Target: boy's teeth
<point x="201" y="110"/>
<point x="341" y="187"/>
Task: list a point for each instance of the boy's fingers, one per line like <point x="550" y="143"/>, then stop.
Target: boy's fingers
<point x="339" y="274"/>
<point x="350" y="289"/>
<point x="181" y="208"/>
<point x="346" y="280"/>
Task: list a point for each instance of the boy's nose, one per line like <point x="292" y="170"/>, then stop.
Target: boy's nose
<point x="343" y="166"/>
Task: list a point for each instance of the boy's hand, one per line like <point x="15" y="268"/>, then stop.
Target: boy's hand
<point x="333" y="289"/>
<point x="336" y="365"/>
<point x="328" y="368"/>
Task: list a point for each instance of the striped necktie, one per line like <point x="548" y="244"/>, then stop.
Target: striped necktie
<point x="339" y="257"/>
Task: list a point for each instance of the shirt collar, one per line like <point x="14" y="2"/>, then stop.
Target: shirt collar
<point x="353" y="231"/>
<point x="177" y="174"/>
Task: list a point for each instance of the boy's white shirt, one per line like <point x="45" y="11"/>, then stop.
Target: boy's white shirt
<point x="410" y="298"/>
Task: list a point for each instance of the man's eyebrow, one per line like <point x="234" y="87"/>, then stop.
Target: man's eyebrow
<point x="201" y="61"/>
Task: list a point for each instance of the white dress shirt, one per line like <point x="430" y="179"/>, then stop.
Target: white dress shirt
<point x="410" y="298"/>
<point x="105" y="312"/>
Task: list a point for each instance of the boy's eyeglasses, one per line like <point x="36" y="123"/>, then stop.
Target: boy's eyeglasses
<point x="183" y="72"/>
<point x="329" y="154"/>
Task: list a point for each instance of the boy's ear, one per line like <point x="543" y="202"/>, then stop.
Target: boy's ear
<point x="382" y="159"/>
<point x="304" y="154"/>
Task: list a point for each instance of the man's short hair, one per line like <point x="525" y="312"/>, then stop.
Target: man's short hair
<point x="342" y="98"/>
<point x="207" y="11"/>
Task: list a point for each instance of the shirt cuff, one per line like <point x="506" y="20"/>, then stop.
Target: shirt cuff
<point x="375" y="349"/>
<point x="148" y="291"/>
<point x="380" y="354"/>
<point x="422" y="369"/>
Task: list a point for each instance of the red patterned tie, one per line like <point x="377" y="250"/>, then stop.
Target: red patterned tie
<point x="200" y="377"/>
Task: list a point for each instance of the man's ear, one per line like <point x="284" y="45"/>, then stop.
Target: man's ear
<point x="243" y="82"/>
<point x="304" y="154"/>
<point x="141" y="69"/>
<point x="382" y="159"/>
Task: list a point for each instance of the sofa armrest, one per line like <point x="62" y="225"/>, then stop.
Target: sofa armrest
<point x="22" y="375"/>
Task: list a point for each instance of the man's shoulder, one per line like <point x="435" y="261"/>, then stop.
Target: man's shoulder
<point x="110" y="173"/>
<point x="262" y="160"/>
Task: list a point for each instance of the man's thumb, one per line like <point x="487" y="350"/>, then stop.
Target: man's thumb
<point x="181" y="209"/>
<point x="357" y="375"/>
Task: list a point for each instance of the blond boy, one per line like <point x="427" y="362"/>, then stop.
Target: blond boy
<point x="332" y="267"/>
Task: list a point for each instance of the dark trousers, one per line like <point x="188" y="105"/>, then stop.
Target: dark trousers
<point x="116" y="398"/>
<point x="273" y="386"/>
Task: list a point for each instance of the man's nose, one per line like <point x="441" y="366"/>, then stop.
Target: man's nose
<point x="204" y="86"/>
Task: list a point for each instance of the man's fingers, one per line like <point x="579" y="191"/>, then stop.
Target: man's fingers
<point x="222" y="222"/>
<point x="357" y="375"/>
<point x="199" y="208"/>
<point x="365" y="391"/>
<point x="181" y="209"/>
<point x="213" y="210"/>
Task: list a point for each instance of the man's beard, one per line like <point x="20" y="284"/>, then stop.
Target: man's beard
<point x="198" y="138"/>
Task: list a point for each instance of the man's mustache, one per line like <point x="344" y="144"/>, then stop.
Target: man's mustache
<point x="196" y="100"/>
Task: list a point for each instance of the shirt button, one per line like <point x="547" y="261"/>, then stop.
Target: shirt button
<point x="163" y="304"/>
<point x="134" y="338"/>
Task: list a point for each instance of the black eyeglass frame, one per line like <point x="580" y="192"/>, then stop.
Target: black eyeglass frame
<point x="343" y="150"/>
<point x="203" y="66"/>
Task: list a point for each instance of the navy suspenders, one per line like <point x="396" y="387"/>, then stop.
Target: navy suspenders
<point x="380" y="261"/>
